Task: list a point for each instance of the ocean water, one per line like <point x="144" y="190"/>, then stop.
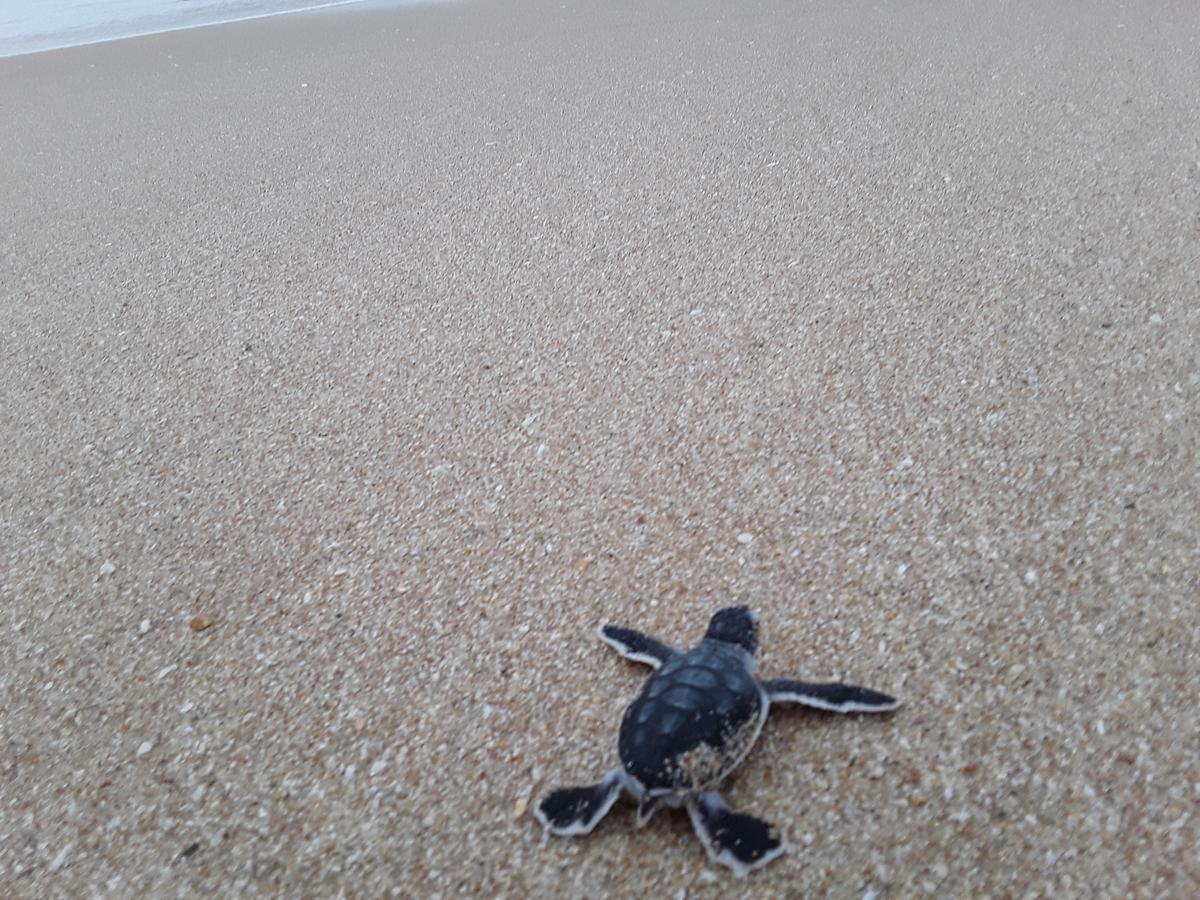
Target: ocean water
<point x="27" y="26"/>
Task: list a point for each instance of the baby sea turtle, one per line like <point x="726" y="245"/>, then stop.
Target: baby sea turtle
<point x="696" y="718"/>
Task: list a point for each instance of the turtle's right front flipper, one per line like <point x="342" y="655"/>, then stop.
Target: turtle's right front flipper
<point x="637" y="646"/>
<point x="736" y="840"/>
<point x="576" y="810"/>
<point x="842" y="698"/>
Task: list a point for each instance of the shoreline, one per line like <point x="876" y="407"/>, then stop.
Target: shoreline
<point x="122" y="35"/>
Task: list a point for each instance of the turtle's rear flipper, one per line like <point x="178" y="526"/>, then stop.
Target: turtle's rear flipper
<point x="733" y="839"/>
<point x="576" y="810"/>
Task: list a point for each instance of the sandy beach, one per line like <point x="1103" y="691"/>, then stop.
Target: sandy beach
<point x="355" y="366"/>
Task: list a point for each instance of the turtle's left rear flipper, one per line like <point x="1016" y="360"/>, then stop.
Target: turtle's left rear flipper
<point x="576" y="810"/>
<point x="736" y="840"/>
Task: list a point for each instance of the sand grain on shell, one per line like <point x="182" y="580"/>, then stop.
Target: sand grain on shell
<point x="405" y="348"/>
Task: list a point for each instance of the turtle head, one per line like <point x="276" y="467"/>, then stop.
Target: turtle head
<point x="735" y="625"/>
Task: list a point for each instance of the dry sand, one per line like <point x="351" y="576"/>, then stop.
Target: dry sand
<point x="410" y="346"/>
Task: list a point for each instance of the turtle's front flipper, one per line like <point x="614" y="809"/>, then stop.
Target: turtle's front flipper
<point x="843" y="698"/>
<point x="637" y="646"/>
<point x="733" y="839"/>
<point x="576" y="810"/>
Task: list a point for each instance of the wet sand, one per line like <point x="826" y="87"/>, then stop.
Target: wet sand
<point x="409" y="346"/>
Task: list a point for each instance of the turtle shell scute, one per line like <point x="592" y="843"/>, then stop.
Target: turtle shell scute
<point x="693" y="720"/>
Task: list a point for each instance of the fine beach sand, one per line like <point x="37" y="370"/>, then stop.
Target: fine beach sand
<point x="409" y="346"/>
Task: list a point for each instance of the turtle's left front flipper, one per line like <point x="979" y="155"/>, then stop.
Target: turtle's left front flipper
<point x="842" y="698"/>
<point x="576" y="810"/>
<point x="736" y="840"/>
<point x="637" y="646"/>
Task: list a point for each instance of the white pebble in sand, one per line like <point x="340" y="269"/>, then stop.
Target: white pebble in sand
<point x="107" y="568"/>
<point x="144" y="748"/>
<point x="1031" y="577"/>
<point x="144" y="627"/>
<point x="60" y="859"/>
<point x="745" y="538"/>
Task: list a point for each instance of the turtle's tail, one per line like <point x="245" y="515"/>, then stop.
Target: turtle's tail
<point x="577" y="810"/>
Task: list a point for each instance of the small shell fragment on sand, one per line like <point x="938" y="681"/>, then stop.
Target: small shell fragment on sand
<point x="522" y="804"/>
<point x="61" y="858"/>
<point x="201" y="623"/>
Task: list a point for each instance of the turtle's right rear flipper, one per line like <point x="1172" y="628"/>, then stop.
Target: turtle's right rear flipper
<point x="736" y="840"/>
<point x="576" y="810"/>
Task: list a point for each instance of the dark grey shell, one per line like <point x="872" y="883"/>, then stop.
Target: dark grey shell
<point x="694" y="720"/>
